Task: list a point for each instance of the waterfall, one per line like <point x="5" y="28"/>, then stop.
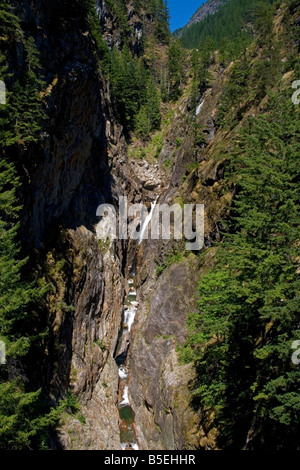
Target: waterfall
<point x="128" y="436"/>
<point x="200" y="107"/>
<point x="132" y="293"/>
<point x="122" y="373"/>
<point x="147" y="221"/>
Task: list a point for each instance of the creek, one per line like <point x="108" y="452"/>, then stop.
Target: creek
<point x="128" y="435"/>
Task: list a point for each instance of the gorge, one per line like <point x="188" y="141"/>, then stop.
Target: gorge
<point x="122" y="344"/>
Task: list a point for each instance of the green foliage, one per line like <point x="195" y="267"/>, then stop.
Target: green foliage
<point x="148" y="117"/>
<point x="133" y="89"/>
<point x="9" y="23"/>
<point x="176" y="70"/>
<point x="22" y="117"/>
<point x="81" y="418"/>
<point x="142" y="123"/>
<point x="71" y="403"/>
<point x="241" y="336"/>
<point x="117" y="9"/>
<point x="160" y="270"/>
<point x="136" y="94"/>
<point x="235" y="91"/>
<point x="230" y="27"/>
<point x="174" y="257"/>
<point x="101" y="345"/>
<point x="96" y="33"/>
<point x="178" y="142"/>
<point x="167" y="163"/>
<point x="25" y="419"/>
<point x="249" y="82"/>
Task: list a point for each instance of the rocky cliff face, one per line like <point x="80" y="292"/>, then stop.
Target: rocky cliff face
<point x="158" y="387"/>
<point x="209" y="8"/>
<point x="159" y="383"/>
<point x="81" y="163"/>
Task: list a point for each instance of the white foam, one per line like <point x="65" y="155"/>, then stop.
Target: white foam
<point x="125" y="397"/>
<point x="132" y="293"/>
<point x="129" y="445"/>
<point x="122" y="373"/>
<point x="147" y="221"/>
<point x="129" y="317"/>
<point x="199" y="107"/>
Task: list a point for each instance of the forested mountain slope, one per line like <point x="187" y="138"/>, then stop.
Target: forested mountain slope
<point x="231" y="27"/>
<point x="208" y="8"/>
<point x="241" y="338"/>
<point x="102" y="102"/>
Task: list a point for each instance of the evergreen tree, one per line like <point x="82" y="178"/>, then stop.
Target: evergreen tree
<point x="142" y="123"/>
<point x="26" y="105"/>
<point x="24" y="421"/>
<point x="148" y="117"/>
<point x="248" y="313"/>
<point x="160" y="11"/>
<point x="153" y="104"/>
<point x="230" y="27"/>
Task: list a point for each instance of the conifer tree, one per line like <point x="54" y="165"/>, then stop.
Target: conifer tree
<point x="241" y="337"/>
<point x="24" y="423"/>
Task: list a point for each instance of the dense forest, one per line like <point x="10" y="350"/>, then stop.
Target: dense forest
<point x="240" y="338"/>
<point x="230" y="29"/>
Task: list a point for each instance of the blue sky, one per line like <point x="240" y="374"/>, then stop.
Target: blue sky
<point x="181" y="11"/>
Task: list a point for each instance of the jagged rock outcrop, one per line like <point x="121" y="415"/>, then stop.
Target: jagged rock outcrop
<point x="85" y="322"/>
<point x="139" y="25"/>
<point x="80" y="164"/>
<point x="209" y="8"/>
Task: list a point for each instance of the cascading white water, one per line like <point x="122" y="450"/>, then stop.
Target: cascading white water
<point x="199" y="107"/>
<point x="125" y="397"/>
<point x="132" y="293"/>
<point x="147" y="221"/>
<point x="127" y="430"/>
<point x="129" y="316"/>
<point x="132" y="445"/>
